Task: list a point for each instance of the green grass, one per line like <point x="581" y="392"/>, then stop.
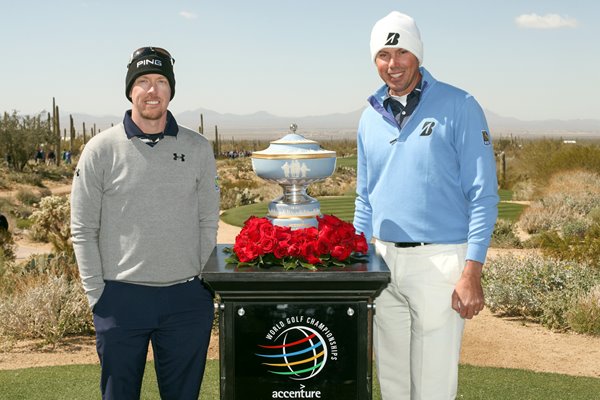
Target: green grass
<point x="505" y="195"/>
<point x="508" y="384"/>
<point x="343" y="208"/>
<point x="80" y="382"/>
<point x="510" y="211"/>
<point x="346" y="162"/>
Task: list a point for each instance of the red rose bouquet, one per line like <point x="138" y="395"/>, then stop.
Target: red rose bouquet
<point x="333" y="243"/>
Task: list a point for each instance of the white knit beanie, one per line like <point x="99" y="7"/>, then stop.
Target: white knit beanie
<point x="396" y="30"/>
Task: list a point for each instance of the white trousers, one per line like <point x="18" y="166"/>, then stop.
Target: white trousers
<point x="417" y="335"/>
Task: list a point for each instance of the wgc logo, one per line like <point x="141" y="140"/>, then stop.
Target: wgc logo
<point x="299" y="352"/>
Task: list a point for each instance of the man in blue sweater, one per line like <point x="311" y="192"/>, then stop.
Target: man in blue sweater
<point x="144" y="216"/>
<point x="427" y="195"/>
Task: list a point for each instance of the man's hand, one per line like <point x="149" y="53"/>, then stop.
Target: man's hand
<point x="467" y="298"/>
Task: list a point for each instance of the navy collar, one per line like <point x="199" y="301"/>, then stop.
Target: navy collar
<point x="132" y="130"/>
<point x="401" y="111"/>
<point x="415" y="94"/>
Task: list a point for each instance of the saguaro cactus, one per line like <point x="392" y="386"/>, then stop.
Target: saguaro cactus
<point x="72" y="134"/>
<point x="84" y="134"/>
<point x="56" y="130"/>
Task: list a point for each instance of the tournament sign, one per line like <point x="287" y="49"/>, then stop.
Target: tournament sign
<point x="297" y="350"/>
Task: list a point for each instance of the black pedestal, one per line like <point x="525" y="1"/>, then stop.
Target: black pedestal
<point x="296" y="334"/>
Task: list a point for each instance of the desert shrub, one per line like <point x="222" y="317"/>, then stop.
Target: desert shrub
<point x="45" y="192"/>
<point x="7" y="248"/>
<point x="239" y="192"/>
<point x="566" y="204"/>
<point x="5" y="205"/>
<point x="240" y="185"/>
<point x="15" y="277"/>
<point x="539" y="160"/>
<point x="36" y="174"/>
<point x="523" y="190"/>
<point x="59" y="264"/>
<point x="54" y="173"/>
<point x="237" y="197"/>
<point x="24" y="223"/>
<point x="594" y="214"/>
<point x="242" y="146"/>
<point x="584" y="249"/>
<point x="51" y="223"/>
<point x="342" y="147"/>
<point x="17" y="209"/>
<point x="49" y="308"/>
<point x="7" y="242"/>
<point x="504" y="235"/>
<point x="340" y="183"/>
<point x="27" y="178"/>
<point x="9" y="277"/>
<point x="541" y="289"/>
<point x="575" y="228"/>
<point x="584" y="316"/>
<point x="567" y="220"/>
<point x="28" y="197"/>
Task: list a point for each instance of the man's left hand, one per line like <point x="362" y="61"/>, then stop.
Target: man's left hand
<point x="467" y="298"/>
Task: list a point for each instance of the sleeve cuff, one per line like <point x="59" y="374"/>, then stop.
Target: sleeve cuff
<point x="476" y="252"/>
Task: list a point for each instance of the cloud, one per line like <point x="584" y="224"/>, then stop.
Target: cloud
<point x="188" y="15"/>
<point x="548" y="21"/>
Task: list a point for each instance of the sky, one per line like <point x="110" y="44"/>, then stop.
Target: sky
<point x="528" y="59"/>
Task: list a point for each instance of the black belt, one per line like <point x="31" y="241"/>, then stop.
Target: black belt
<point x="410" y="244"/>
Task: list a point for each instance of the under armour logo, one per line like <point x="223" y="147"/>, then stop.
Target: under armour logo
<point x="179" y="157"/>
<point x="427" y="128"/>
<point x="392" y="39"/>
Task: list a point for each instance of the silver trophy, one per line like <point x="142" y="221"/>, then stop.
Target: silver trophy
<point x="294" y="162"/>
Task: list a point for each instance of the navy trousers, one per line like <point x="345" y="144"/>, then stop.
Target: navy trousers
<point x="176" y="319"/>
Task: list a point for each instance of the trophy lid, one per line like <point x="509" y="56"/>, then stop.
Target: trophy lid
<point x="293" y="144"/>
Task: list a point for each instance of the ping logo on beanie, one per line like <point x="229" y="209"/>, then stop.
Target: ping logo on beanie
<point x="396" y="30"/>
<point x="156" y="62"/>
<point x="149" y="60"/>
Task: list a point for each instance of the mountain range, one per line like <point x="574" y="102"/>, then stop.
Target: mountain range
<point x="338" y="125"/>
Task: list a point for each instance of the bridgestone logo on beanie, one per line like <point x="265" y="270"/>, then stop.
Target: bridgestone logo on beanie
<point x="396" y="30"/>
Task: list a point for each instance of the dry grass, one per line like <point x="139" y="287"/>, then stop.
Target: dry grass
<point x="44" y="307"/>
<point x="566" y="203"/>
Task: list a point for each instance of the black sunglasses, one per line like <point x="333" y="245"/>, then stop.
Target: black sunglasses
<point x="147" y="51"/>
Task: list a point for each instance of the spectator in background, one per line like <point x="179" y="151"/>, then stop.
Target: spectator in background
<point x="39" y="156"/>
<point x="51" y="158"/>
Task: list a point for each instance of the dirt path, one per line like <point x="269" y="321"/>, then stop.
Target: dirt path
<point x="488" y="340"/>
<point x="511" y="343"/>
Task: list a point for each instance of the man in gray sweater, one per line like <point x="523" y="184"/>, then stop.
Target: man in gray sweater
<point x="144" y="216"/>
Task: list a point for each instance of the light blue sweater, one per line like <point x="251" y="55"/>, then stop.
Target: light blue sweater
<point x="433" y="180"/>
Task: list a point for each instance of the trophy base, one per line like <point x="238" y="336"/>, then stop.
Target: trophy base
<point x="295" y="223"/>
<point x="296" y="216"/>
